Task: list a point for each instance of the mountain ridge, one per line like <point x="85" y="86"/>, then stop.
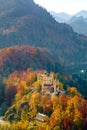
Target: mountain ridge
<point x="34" y="26"/>
<point x="60" y="17"/>
<point x="82" y="13"/>
<point x="77" y="21"/>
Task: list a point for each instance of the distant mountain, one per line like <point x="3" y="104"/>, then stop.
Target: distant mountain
<point x="60" y="17"/>
<point x="26" y="23"/>
<point x="79" y="24"/>
<point x="82" y="13"/>
<point x="75" y="19"/>
<point x="78" y="21"/>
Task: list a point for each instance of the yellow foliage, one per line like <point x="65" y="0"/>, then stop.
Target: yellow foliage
<point x="54" y="100"/>
<point x="60" y="86"/>
<point x="31" y="78"/>
<point x="55" y="118"/>
<point x="22" y="87"/>
<point x="72" y="91"/>
<point x="77" y="118"/>
<point x="38" y="85"/>
<point x="34" y="102"/>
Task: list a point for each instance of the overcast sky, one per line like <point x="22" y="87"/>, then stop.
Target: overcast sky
<point x="68" y="6"/>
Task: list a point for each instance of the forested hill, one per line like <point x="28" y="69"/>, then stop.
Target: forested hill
<point x="23" y="57"/>
<point x="25" y="23"/>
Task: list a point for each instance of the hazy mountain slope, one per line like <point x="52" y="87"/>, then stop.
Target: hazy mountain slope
<point x="79" y="24"/>
<point x="77" y="21"/>
<point x="82" y="13"/>
<point x="25" y="23"/>
<point x="80" y="27"/>
<point x="60" y="17"/>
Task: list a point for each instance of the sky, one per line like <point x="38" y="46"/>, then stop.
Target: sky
<point x="68" y="6"/>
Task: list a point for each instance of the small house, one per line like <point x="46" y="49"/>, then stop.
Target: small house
<point x="41" y="117"/>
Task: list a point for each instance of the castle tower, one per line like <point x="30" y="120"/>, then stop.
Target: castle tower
<point x="42" y="85"/>
<point x="56" y="86"/>
<point x="52" y="75"/>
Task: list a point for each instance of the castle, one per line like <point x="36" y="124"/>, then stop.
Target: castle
<point x="49" y="83"/>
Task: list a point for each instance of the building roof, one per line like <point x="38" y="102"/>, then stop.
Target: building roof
<point x="41" y="117"/>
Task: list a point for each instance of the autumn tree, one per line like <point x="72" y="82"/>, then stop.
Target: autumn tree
<point x="38" y="86"/>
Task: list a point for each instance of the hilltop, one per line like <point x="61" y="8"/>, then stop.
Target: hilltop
<point x="31" y="108"/>
<point x="23" y="57"/>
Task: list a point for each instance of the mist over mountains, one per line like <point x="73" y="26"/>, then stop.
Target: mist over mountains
<point x="77" y="21"/>
<point x="60" y="17"/>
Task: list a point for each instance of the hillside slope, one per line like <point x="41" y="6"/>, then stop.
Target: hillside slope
<point x="23" y="57"/>
<point x="25" y="23"/>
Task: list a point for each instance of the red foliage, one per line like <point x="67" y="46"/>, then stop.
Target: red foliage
<point x="84" y="124"/>
<point x="67" y="124"/>
<point x="48" y="108"/>
<point x="83" y="109"/>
